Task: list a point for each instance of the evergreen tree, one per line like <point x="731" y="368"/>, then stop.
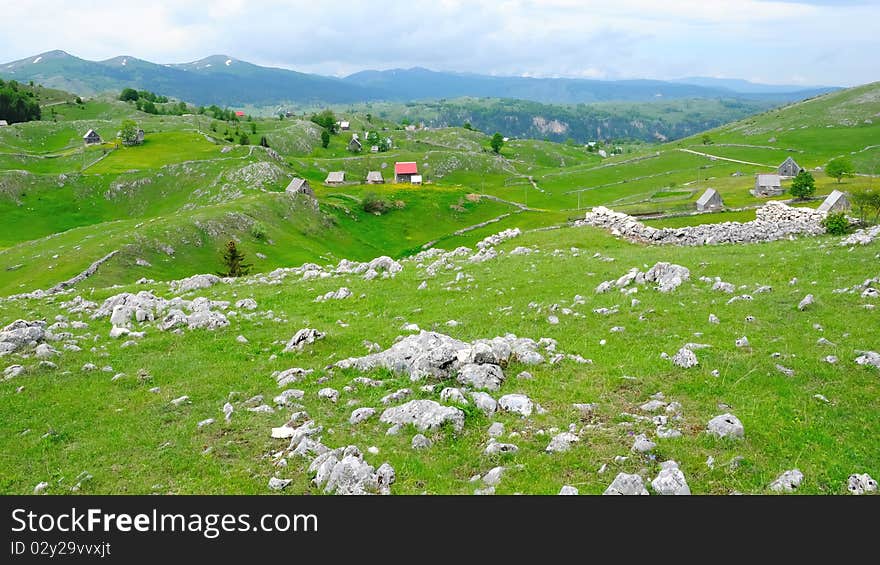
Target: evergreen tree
<point x="325" y="138"/>
<point x="233" y="262"/>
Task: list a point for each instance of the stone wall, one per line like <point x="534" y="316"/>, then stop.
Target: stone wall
<point x="773" y="221"/>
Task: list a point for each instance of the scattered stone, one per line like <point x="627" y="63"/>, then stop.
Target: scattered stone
<point x="685" y="358"/>
<point x="870" y="358"/>
<point x="806" y="302"/>
<point x="419" y="441"/>
<point x="278" y="484"/>
<point x="562" y="442"/>
<point x="626" y="484"/>
<point x="302" y="338"/>
<point x="670" y="480"/>
<point x="497" y="448"/>
<point x="789" y="481"/>
<point x="493" y="476"/>
<point x="516" y="403"/>
<point x="726" y="425"/>
<point x="361" y="415"/>
<point x="861" y="484"/>
<point x="496" y="430"/>
<point x="424" y="415"/>
<point x="484" y="402"/>
<point x="568" y="490"/>
<point x="642" y="444"/>
<point x="486" y="376"/>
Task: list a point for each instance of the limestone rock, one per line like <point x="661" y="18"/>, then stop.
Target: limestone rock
<point x="424" y="415"/>
<point x="726" y="425"/>
<point x="626" y="484"/>
<point x="670" y="480"/>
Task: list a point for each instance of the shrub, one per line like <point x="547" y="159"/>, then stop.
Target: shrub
<point x="372" y="204"/>
<point x="866" y="203"/>
<point x="258" y="231"/>
<point x="836" y="223"/>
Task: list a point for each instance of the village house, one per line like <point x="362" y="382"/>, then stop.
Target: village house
<point x="835" y="202"/>
<point x="91" y="137"/>
<point x="335" y="178"/>
<point x="405" y="170"/>
<point x="767" y="185"/>
<point x="299" y="186"/>
<point x="3" y="123"/>
<point x="789" y="168"/>
<point x="416" y="179"/>
<point x="375" y="177"/>
<point x="709" y="201"/>
<point x="344" y="126"/>
<point x="374" y="149"/>
<point x="355" y="143"/>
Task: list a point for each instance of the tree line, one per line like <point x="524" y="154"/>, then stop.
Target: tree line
<point x="18" y="104"/>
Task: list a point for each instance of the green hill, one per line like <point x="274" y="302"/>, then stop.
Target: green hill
<point x="86" y="402"/>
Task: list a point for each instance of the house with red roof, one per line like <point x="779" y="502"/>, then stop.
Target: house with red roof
<point x="404" y="171"/>
<point x="239" y="113"/>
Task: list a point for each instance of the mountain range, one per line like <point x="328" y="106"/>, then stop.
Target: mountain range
<point x="225" y="80"/>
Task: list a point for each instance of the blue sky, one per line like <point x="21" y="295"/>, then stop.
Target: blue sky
<point x="782" y="42"/>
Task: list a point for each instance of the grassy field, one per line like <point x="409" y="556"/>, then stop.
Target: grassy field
<point x="169" y="206"/>
<point x="134" y="441"/>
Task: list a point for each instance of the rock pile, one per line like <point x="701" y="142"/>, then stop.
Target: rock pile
<point x="21" y="334"/>
<point x="668" y="277"/>
<point x="432" y="354"/>
<point x="862" y="236"/>
<point x="773" y="221"/>
<point x="337" y="471"/>
<point x="144" y="306"/>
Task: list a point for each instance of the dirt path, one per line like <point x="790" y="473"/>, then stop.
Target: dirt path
<point x="725" y="158"/>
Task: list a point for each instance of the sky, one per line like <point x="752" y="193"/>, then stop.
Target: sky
<point x="806" y="42"/>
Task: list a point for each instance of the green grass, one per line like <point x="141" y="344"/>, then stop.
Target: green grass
<point x="117" y="430"/>
<point x="159" y="149"/>
<point x="177" y="199"/>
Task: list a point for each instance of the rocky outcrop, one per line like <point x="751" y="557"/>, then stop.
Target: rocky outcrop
<point x="432" y="354"/>
<point x="21" y="334"/>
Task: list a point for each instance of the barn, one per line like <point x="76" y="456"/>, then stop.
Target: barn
<point x="91" y="137"/>
<point x="709" y="201"/>
<point x="789" y="168"/>
<point x="767" y="185"/>
<point x="335" y="178"/>
<point x="299" y="186"/>
<point x="375" y="177"/>
<point x="405" y="170"/>
<point x="835" y="202"/>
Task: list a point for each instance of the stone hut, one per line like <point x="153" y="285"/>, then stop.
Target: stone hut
<point x="710" y="201"/>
